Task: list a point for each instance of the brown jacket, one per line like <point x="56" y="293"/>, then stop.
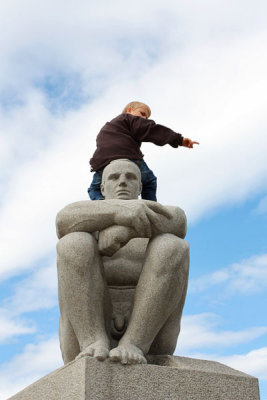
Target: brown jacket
<point x="122" y="138"/>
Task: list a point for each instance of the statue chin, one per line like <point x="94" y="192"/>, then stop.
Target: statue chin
<point x="124" y="195"/>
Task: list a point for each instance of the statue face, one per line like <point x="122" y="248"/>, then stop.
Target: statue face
<point x="121" y="180"/>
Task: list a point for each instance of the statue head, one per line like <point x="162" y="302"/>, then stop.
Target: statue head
<point x="121" y="179"/>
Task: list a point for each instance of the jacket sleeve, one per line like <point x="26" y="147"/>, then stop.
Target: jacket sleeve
<point x="146" y="130"/>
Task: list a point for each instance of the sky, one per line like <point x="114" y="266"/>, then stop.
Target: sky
<point x="66" y="68"/>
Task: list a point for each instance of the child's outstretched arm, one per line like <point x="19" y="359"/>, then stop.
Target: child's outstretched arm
<point x="188" y="143"/>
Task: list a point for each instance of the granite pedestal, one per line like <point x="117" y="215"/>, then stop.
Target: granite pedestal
<point x="164" y="377"/>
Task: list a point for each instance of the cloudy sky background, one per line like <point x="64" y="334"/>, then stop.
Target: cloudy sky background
<point x="68" y="67"/>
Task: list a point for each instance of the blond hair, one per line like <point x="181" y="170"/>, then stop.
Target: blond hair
<point x="136" y="104"/>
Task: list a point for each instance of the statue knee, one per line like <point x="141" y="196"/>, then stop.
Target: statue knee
<point x="170" y="245"/>
<point x="77" y="249"/>
<point x="171" y="251"/>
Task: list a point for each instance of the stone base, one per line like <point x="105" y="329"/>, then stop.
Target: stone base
<point x="165" y="377"/>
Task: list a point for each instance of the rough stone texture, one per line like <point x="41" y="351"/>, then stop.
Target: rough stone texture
<point x="171" y="378"/>
<point x="122" y="272"/>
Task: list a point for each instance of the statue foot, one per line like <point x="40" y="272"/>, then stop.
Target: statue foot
<point x="98" y="350"/>
<point x="127" y="354"/>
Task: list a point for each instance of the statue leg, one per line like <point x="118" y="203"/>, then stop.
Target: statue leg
<point x="166" y="340"/>
<point x="69" y="345"/>
<point x="84" y="300"/>
<point x="159" y="298"/>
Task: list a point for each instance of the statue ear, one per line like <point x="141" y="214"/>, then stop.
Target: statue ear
<point x="102" y="188"/>
<point x="140" y="188"/>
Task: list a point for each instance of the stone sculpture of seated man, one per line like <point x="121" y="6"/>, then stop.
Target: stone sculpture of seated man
<point x="138" y="243"/>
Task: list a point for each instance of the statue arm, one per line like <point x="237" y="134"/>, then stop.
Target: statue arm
<point x="91" y="216"/>
<point x="176" y="224"/>
<point x="114" y="237"/>
<point x="85" y="216"/>
<point x="144" y="218"/>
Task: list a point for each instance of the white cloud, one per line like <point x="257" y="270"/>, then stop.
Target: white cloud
<point x="216" y="105"/>
<point x="37" y="291"/>
<point x="36" y="361"/>
<point x="10" y="326"/>
<point x="262" y="206"/>
<point x="247" y="277"/>
<point x="56" y="170"/>
<point x="42" y="39"/>
<point x="202" y="338"/>
<point x="201" y="331"/>
<point x="38" y="188"/>
<point x="253" y="363"/>
<point x="210" y="87"/>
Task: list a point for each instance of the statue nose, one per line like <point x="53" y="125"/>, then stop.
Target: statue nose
<point x="122" y="181"/>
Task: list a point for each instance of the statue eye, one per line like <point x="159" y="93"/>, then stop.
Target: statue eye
<point x="131" y="176"/>
<point x="113" y="177"/>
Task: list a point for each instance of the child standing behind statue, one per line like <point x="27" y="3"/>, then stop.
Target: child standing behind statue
<point x="122" y="138"/>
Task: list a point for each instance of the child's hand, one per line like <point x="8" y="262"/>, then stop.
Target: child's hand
<point x="188" y="143"/>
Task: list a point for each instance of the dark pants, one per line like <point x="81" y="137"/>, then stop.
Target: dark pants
<point x="149" y="183"/>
